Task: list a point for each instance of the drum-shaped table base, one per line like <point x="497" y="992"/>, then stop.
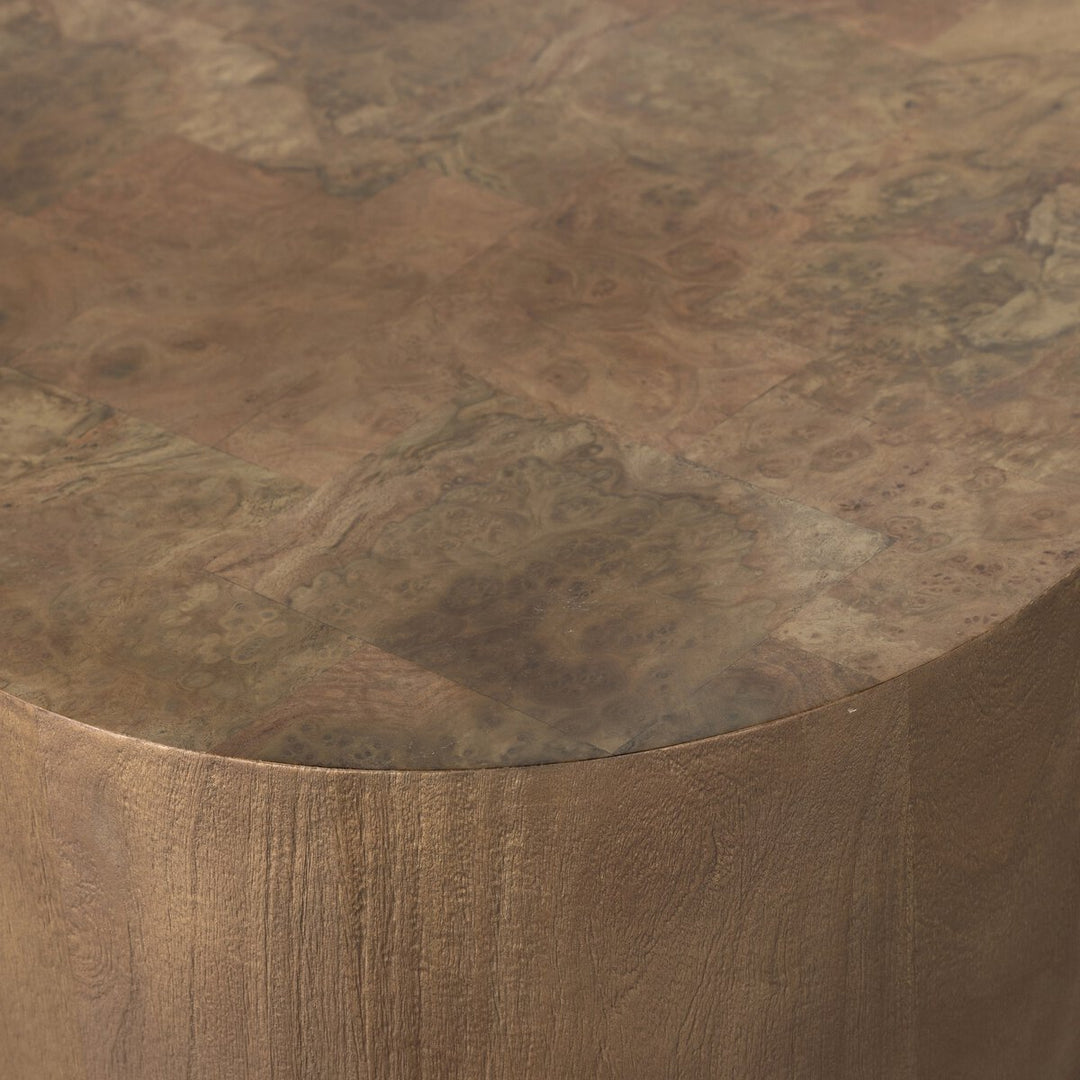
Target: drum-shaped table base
<point x="885" y="887"/>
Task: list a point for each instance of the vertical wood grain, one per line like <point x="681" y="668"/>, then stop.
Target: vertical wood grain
<point x="225" y="925"/>
<point x="996" y="812"/>
<point x="38" y="1034"/>
<point x="770" y="903"/>
<point x="737" y="911"/>
<point x="709" y="915"/>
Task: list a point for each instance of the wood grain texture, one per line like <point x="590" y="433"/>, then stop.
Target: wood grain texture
<point x="633" y="445"/>
<point x="806" y="270"/>
<point x="881" y="887"/>
<point x="101" y="618"/>
<point x="548" y="565"/>
<point x="253" y="284"/>
<point x="496" y="923"/>
<point x="319" y="724"/>
<point x="996" y="826"/>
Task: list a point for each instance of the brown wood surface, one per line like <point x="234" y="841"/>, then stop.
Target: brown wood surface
<point x="884" y="887"/>
<point x="457" y="383"/>
<point x="539" y="541"/>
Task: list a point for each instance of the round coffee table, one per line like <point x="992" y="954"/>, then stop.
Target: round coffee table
<point x="540" y="542"/>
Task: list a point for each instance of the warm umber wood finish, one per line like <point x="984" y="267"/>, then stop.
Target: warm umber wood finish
<point x="421" y="421"/>
<point x="885" y="887"/>
<point x="455" y="384"/>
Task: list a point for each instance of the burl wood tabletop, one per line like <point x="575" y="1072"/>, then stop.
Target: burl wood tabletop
<point x="448" y="383"/>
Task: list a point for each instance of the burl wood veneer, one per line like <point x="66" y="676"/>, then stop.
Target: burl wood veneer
<point x="540" y="541"/>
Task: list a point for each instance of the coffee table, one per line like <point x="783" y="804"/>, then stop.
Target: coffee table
<point x="540" y="542"/>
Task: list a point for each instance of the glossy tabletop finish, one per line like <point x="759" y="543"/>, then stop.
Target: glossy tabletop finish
<point x="447" y="383"/>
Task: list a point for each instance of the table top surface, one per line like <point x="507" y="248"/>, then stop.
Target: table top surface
<point x="451" y="383"/>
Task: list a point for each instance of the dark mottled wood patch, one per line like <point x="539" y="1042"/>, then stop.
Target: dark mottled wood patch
<point x="350" y="716"/>
<point x="105" y="612"/>
<point x="584" y="581"/>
